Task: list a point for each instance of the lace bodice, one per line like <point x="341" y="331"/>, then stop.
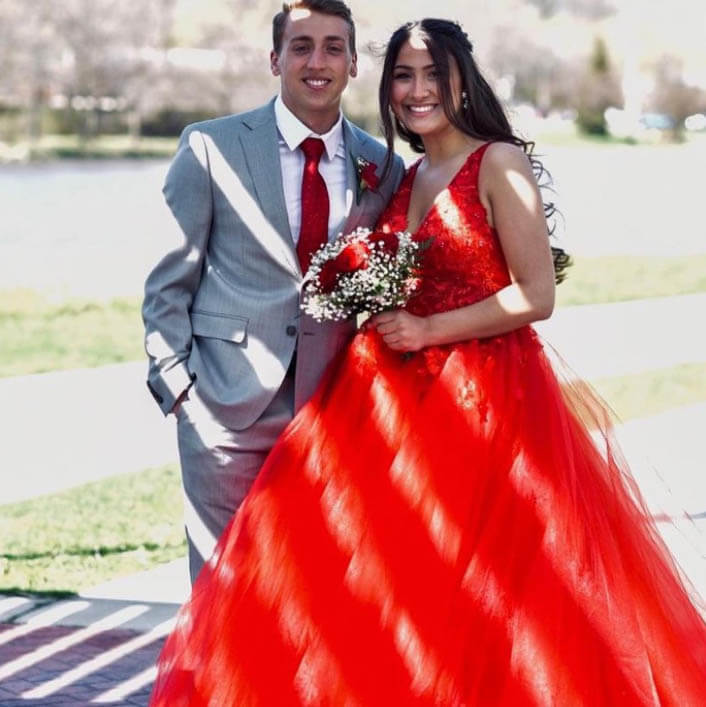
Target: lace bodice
<point x="464" y="262"/>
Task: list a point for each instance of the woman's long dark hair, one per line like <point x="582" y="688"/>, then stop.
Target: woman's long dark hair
<point x="480" y="116"/>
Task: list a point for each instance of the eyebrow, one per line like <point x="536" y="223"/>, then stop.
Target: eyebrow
<point x="308" y="38"/>
<point x="405" y="66"/>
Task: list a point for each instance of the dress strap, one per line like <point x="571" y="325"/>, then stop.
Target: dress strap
<point x="478" y="153"/>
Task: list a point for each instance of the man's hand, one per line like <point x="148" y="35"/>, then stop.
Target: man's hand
<point x="402" y="331"/>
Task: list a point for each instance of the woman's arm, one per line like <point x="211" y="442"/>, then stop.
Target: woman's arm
<point x="510" y="194"/>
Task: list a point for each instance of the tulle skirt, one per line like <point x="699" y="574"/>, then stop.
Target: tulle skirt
<point x="454" y="527"/>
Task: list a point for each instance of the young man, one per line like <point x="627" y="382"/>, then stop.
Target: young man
<point x="251" y="196"/>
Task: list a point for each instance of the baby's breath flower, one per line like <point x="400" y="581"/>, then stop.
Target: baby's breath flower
<point x="363" y="271"/>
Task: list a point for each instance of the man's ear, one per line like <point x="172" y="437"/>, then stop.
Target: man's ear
<point x="274" y="63"/>
<point x="353" y="71"/>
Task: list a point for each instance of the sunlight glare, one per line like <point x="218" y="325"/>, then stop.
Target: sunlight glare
<point x="420" y="663"/>
<point x="299" y="13"/>
<point x="243" y="203"/>
<point x="127" y="687"/>
<point x="203" y="539"/>
<point x="523" y="188"/>
<point x="416" y="40"/>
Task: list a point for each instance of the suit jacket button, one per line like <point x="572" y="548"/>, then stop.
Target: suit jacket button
<point x="291" y="330"/>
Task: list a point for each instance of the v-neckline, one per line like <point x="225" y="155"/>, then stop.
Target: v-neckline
<point x="451" y="181"/>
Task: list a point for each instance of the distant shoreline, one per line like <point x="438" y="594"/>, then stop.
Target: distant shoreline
<point x="106" y="147"/>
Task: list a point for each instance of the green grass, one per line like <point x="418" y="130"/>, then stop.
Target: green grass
<point x="38" y="335"/>
<point x="617" y="278"/>
<point x="64" y="542"/>
<point x="652" y="392"/>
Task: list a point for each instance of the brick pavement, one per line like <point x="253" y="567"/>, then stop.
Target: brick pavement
<point x="94" y="662"/>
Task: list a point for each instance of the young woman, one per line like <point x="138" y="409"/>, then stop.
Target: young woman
<point x="442" y="528"/>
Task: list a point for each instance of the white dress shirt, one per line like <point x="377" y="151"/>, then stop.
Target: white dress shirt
<point x="292" y="132"/>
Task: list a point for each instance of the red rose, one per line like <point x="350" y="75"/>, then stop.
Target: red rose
<point x="367" y="175"/>
<point x="353" y="257"/>
<point x="328" y="276"/>
<point x="390" y="242"/>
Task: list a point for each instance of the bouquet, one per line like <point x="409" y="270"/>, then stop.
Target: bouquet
<point x="363" y="271"/>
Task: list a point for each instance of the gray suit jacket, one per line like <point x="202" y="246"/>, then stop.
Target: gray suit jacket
<point x="221" y="308"/>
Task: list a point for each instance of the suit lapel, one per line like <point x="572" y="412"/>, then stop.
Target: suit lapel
<point x="261" y="149"/>
<point x="355" y="148"/>
<point x="355" y="209"/>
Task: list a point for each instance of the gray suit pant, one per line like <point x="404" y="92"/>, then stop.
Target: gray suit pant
<point x="219" y="465"/>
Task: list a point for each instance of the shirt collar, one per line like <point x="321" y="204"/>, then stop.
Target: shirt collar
<point x="295" y="132"/>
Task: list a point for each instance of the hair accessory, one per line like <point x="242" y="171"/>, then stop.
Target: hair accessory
<point x="464" y="100"/>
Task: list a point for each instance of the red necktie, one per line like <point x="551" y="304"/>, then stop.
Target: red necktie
<point x="314" y="225"/>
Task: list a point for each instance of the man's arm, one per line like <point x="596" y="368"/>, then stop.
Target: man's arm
<point x="170" y="287"/>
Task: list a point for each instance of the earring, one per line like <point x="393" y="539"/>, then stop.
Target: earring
<point x="464" y="100"/>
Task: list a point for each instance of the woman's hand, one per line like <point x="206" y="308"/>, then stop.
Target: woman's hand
<point x="401" y="331"/>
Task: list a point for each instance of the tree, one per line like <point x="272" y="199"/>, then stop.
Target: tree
<point x="588" y="9"/>
<point x="539" y="76"/>
<point x="598" y="89"/>
<point x="673" y="96"/>
<point x="106" y="47"/>
<point x="30" y="52"/>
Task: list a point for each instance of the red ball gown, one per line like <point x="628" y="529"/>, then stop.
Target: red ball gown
<point x="451" y="528"/>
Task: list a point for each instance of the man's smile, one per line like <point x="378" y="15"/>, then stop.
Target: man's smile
<point x="317" y="83"/>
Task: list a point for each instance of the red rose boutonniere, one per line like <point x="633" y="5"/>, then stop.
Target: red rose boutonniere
<point x="367" y="177"/>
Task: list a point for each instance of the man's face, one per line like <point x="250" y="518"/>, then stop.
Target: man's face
<point x="314" y="63"/>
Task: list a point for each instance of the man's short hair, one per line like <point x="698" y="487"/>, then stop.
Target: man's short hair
<point x="325" y="7"/>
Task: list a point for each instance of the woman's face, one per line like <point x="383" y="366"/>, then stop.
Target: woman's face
<point x="415" y="97"/>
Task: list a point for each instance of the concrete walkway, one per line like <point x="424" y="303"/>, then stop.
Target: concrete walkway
<point x="605" y="340"/>
<point x="66" y="428"/>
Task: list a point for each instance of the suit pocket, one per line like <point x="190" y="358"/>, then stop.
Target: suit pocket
<point x="219" y="326"/>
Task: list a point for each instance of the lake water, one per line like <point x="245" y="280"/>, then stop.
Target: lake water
<point x="95" y="228"/>
<point x="81" y="227"/>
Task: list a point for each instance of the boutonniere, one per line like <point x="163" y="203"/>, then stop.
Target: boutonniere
<point x="367" y="177"/>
